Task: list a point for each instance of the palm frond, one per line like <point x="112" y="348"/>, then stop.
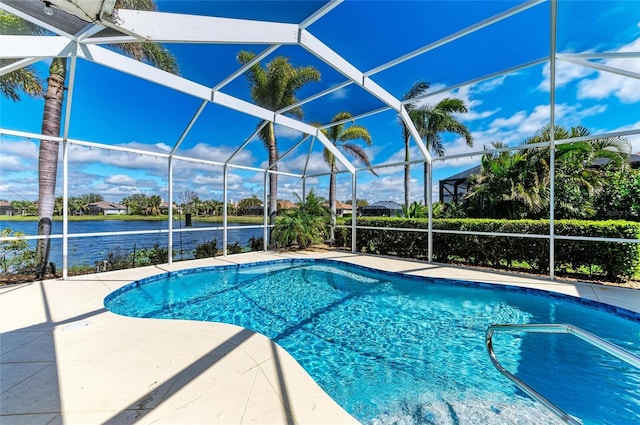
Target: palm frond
<point x="24" y="80"/>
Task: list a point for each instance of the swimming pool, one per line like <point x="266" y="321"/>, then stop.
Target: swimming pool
<point x="391" y="348"/>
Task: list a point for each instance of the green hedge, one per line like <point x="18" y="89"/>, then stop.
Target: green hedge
<point x="611" y="259"/>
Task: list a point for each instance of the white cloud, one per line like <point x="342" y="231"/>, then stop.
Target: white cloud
<point x="219" y="153"/>
<point x="163" y="147"/>
<point x="566" y="72"/>
<point x="387" y="188"/>
<point x="522" y="124"/>
<point x="340" y="94"/>
<point x="120" y="179"/>
<point x="11" y="163"/>
<point x="316" y="164"/>
<point x="27" y="150"/>
<point x="492" y="84"/>
<point x="603" y="84"/>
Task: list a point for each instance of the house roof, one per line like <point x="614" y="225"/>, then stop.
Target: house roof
<point x="383" y="205"/>
<point x="105" y="205"/>
<point x="464" y="175"/>
<point x="286" y="205"/>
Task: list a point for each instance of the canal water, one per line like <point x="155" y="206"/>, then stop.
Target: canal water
<point x="88" y="250"/>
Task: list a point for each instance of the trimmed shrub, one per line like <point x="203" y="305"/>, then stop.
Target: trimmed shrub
<point x="614" y="260"/>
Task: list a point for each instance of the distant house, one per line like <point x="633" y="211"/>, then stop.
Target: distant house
<point x="164" y="208"/>
<point x="283" y="204"/>
<point x="254" y="210"/>
<point x="453" y="189"/>
<point x="341" y="208"/>
<point x="5" y="208"/>
<point x="106" y="208"/>
<point x="382" y="209"/>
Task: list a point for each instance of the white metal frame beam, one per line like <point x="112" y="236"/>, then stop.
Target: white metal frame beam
<point x="33" y="46"/>
<point x="162" y="27"/>
<point x="331" y="58"/>
<point x="599" y="66"/>
<point x="18" y="65"/>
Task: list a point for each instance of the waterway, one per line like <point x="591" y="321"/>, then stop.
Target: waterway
<point x="87" y="250"/>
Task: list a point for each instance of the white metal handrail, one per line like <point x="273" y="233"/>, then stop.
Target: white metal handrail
<point x="597" y="342"/>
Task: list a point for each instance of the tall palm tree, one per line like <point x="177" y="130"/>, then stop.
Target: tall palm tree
<point x="418" y="89"/>
<point x="437" y="119"/>
<point x="341" y="136"/>
<point x="274" y="87"/>
<point x="48" y="155"/>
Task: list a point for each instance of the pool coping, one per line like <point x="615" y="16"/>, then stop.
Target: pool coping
<point x="65" y="359"/>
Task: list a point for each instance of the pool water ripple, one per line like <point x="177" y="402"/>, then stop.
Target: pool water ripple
<point x="392" y="349"/>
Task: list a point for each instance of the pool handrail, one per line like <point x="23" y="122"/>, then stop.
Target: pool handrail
<point x="590" y="338"/>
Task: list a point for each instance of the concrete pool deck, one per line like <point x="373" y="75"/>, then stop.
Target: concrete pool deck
<point x="67" y="360"/>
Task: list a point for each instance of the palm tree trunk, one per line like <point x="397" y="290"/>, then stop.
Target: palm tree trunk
<point x="332" y="201"/>
<point x="407" y="174"/>
<point x="426" y="183"/>
<point x="425" y="180"/>
<point x="48" y="161"/>
<point x="273" y="178"/>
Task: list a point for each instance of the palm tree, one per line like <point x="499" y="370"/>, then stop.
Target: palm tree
<point x="305" y="225"/>
<point x="581" y="167"/>
<point x="341" y="136"/>
<point x="437" y="119"/>
<point x="510" y="184"/>
<point x="153" y="205"/>
<point x="274" y="88"/>
<point x="24" y="80"/>
<point x="48" y="156"/>
<point x="418" y="89"/>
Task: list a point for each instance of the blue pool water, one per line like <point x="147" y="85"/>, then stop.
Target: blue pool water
<point x="393" y="349"/>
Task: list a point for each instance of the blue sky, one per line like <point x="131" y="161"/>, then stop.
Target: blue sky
<point x="122" y="110"/>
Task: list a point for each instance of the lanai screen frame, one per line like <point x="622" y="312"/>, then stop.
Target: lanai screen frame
<point x="136" y="26"/>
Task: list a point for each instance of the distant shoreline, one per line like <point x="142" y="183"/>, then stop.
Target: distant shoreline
<point x="215" y="219"/>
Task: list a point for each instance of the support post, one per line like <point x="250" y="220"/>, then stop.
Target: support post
<point x="225" y="200"/>
<point x="354" y="212"/>
<point x="170" y="203"/>
<point x="265" y="234"/>
<point x="552" y="142"/>
<point x="65" y="209"/>
<point x="429" y="191"/>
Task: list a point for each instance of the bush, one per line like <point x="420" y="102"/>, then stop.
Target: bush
<point x="615" y="260"/>
<point x="303" y="226"/>
<point x="256" y="244"/>
<point x="234" y="248"/>
<point x="207" y="249"/>
<point x="154" y="255"/>
<point x="15" y="256"/>
<point x="118" y="258"/>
